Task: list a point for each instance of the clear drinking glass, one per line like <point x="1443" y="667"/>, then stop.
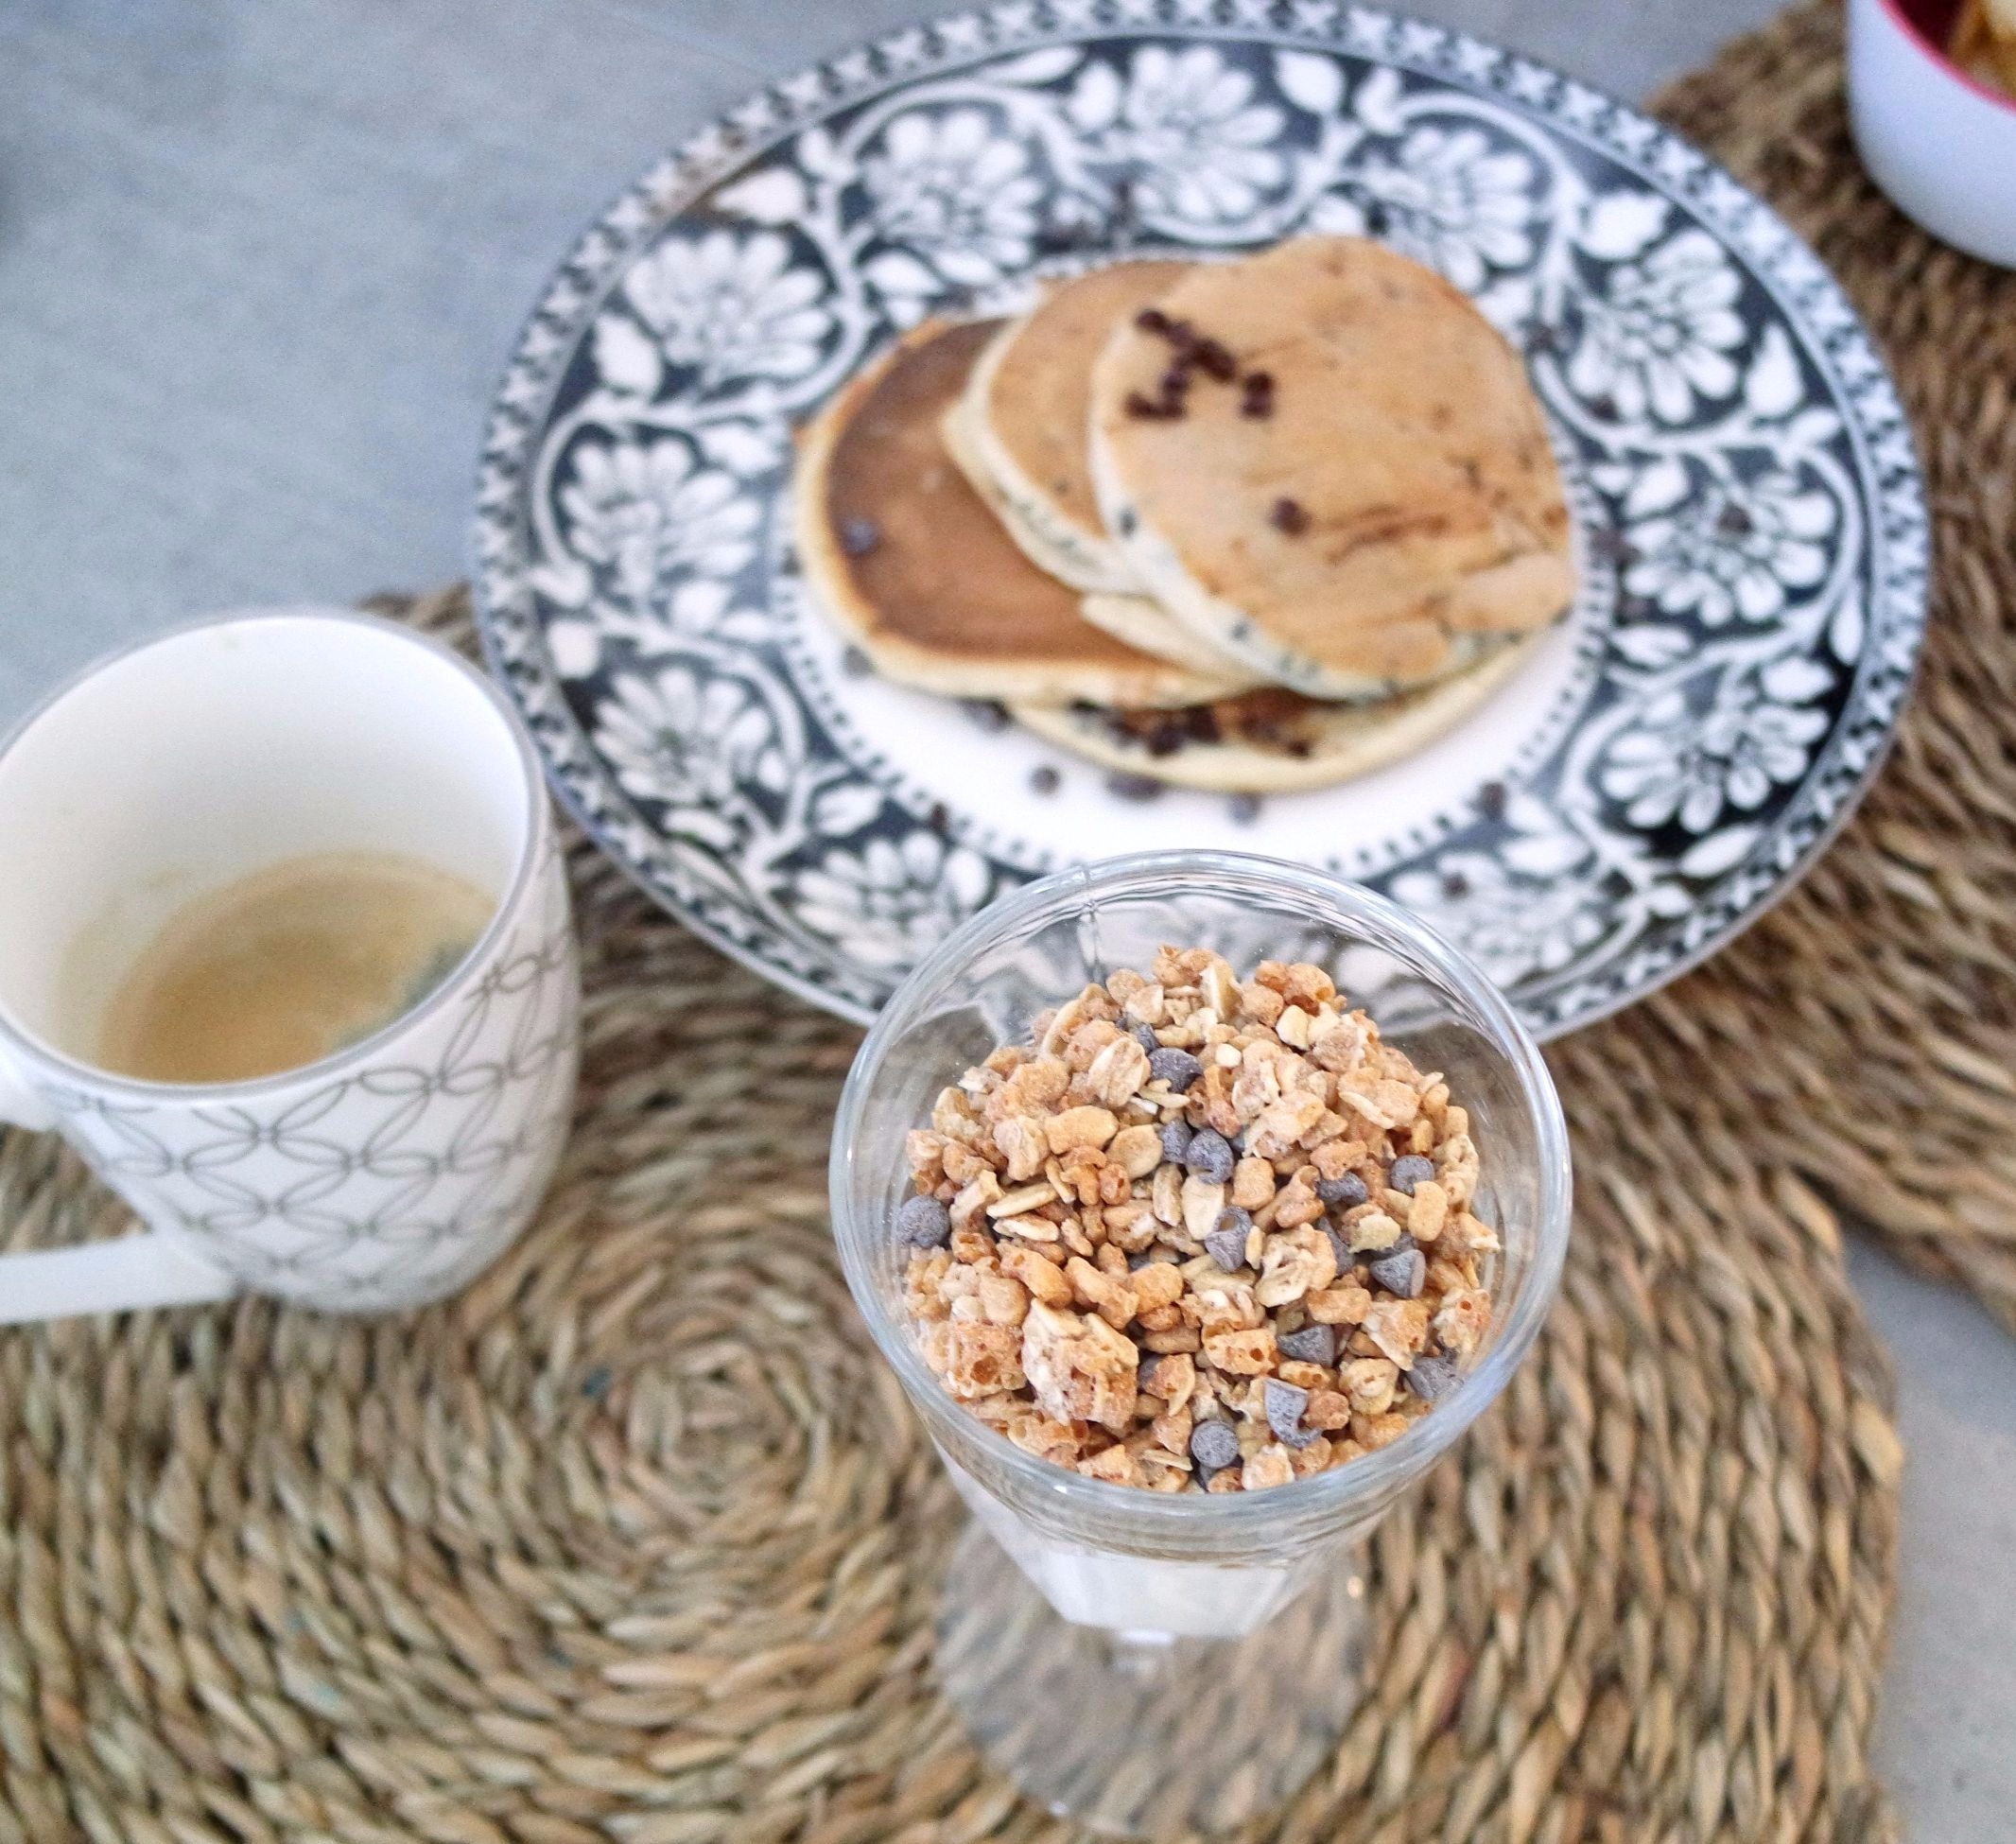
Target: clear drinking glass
<point x="1184" y="1660"/>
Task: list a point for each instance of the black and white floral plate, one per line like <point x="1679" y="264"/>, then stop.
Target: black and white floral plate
<point x="1749" y="519"/>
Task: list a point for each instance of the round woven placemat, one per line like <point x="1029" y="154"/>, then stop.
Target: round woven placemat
<point x="1866" y="1028"/>
<point x="636" y="1541"/>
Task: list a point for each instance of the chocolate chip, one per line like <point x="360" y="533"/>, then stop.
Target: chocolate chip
<point x="1149" y="409"/>
<point x="1208" y="1156"/>
<point x="1404" y="1174"/>
<point x="856" y="664"/>
<point x="1349" y="1190"/>
<point x="1340" y="1247"/>
<point x="1491" y="800"/>
<point x="1431" y="1378"/>
<point x="1402" y="1272"/>
<point x="1213" y="1445"/>
<point x="1176" y="1134"/>
<point x="1227" y="1248"/>
<point x="1214" y="360"/>
<point x="1285" y="1404"/>
<point x="1227" y="1244"/>
<point x="859" y="537"/>
<point x="939" y="817"/>
<point x="1145" y="1036"/>
<point x="1289" y="518"/>
<point x="1134" y="787"/>
<point x="986" y="713"/>
<point x="1257" y="405"/>
<point x="1044" y="780"/>
<point x="1615" y="885"/>
<point x="1152" y="319"/>
<point x="1455" y="886"/>
<point x="1244" y="809"/>
<point x="1177" y="1068"/>
<point x="1312" y="1345"/>
<point x="1138" y="1261"/>
<point x="1733" y="522"/>
<point x="924" y="1222"/>
<point x="1258" y="384"/>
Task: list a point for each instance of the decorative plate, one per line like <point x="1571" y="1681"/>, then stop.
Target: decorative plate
<point x="1749" y="513"/>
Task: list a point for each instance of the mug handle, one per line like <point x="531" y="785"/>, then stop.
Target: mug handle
<point x="148" y="1269"/>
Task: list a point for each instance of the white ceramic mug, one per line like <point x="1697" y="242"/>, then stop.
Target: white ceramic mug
<point x="385" y="1175"/>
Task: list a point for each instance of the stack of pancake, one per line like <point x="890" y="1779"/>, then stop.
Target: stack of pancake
<point x="1252" y="526"/>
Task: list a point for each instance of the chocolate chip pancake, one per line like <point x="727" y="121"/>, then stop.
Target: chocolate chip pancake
<point x="907" y="560"/>
<point x="1272" y="740"/>
<point x="1021" y="421"/>
<point x="1323" y="461"/>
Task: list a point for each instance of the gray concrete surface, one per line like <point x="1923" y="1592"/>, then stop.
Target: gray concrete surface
<point x="259" y="267"/>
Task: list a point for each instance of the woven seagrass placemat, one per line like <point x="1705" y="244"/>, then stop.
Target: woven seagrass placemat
<point x="1866" y="1030"/>
<point x="635" y="1542"/>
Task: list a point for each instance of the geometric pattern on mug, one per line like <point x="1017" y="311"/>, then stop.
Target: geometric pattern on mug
<point x="378" y="1189"/>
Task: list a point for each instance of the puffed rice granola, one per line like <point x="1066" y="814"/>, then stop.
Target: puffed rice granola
<point x="1197" y="1234"/>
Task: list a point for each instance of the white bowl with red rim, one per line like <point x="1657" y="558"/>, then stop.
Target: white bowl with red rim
<point x="1941" y="141"/>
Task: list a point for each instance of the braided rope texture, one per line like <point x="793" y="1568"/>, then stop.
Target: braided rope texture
<point x="1867" y="1027"/>
<point x="636" y="1542"/>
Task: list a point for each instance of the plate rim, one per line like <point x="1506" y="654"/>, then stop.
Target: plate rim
<point x="767" y="115"/>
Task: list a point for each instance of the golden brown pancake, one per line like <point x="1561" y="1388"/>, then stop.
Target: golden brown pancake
<point x="902" y="554"/>
<point x="1022" y="419"/>
<point x="1397" y="511"/>
<point x="1273" y="740"/>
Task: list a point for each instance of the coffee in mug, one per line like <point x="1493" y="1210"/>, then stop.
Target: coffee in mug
<point x="289" y="965"/>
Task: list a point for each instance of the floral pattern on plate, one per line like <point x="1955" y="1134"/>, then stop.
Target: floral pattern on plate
<point x="1746" y="497"/>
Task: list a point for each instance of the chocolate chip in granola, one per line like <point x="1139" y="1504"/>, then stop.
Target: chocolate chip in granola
<point x="1290" y="517"/>
<point x="1177" y="1068"/>
<point x="924" y="1222"/>
<point x="1404" y="1174"/>
<point x="859" y="537"/>
<point x="1152" y="319"/>
<point x="1491" y="799"/>
<point x="1176" y="1134"/>
<point x="1227" y="1244"/>
<point x="856" y="664"/>
<point x="1431" y="1378"/>
<point x="1145" y="1036"/>
<point x="1213" y="1445"/>
<point x="1285" y="1402"/>
<point x="1209" y="1156"/>
<point x="1044" y="779"/>
<point x="1402" y="1272"/>
<point x="1313" y="1343"/>
<point x="1340" y="1247"/>
<point x="1244" y="808"/>
<point x="986" y="713"/>
<point x="1349" y="1191"/>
